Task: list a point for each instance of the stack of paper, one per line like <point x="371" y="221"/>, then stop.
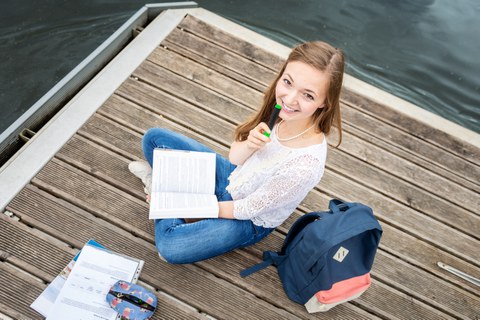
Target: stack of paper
<point x="79" y="291"/>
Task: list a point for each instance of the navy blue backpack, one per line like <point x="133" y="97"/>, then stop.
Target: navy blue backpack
<point x="324" y="248"/>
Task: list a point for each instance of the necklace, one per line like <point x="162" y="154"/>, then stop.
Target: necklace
<point x="291" y="138"/>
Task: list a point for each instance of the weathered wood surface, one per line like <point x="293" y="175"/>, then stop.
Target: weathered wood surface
<point x="422" y="184"/>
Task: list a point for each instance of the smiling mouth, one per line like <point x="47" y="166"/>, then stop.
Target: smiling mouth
<point x="286" y="108"/>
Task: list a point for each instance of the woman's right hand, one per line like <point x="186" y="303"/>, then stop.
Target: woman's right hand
<point x="240" y="151"/>
<point x="256" y="139"/>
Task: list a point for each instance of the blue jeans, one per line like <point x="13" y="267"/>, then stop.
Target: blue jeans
<point x="181" y="242"/>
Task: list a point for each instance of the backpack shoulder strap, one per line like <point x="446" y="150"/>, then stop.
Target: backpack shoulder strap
<point x="269" y="258"/>
<point x="336" y="205"/>
<point x="275" y="258"/>
<point x="298" y="226"/>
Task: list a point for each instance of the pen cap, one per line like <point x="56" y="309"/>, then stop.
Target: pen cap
<point x="274" y="116"/>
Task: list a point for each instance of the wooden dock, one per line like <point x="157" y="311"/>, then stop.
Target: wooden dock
<point x="422" y="183"/>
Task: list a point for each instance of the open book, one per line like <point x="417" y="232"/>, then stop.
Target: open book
<point x="183" y="185"/>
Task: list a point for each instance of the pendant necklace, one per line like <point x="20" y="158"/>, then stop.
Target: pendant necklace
<point x="291" y="138"/>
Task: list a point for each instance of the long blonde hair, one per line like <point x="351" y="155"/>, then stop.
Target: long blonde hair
<point x="323" y="57"/>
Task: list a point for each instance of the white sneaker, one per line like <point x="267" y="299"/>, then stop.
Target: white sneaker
<point x="162" y="258"/>
<point x="143" y="171"/>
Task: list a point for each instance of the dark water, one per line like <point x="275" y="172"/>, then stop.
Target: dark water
<point x="424" y="51"/>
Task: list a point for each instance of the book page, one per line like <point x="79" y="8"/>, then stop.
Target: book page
<point x="183" y="205"/>
<point x="183" y="171"/>
<point x="84" y="292"/>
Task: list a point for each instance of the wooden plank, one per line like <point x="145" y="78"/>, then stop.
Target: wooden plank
<point x="404" y="246"/>
<point x="416" y="146"/>
<point x="230" y="42"/>
<point x="140" y="119"/>
<point x="413" y="126"/>
<point x="95" y="196"/>
<point x="213" y="80"/>
<point x="90" y="157"/>
<point x="75" y="196"/>
<point x="387" y="298"/>
<point x="431" y="296"/>
<point x="232" y="263"/>
<point x="128" y="145"/>
<point x="228" y="59"/>
<point x="16" y="244"/>
<point x="175" y="110"/>
<point x="49" y="210"/>
<point x="192" y="55"/>
<point x="414" y="282"/>
<point x="186" y="282"/>
<point x="458" y="191"/>
<point x="77" y="225"/>
<point x="418" y="283"/>
<point x="190" y="92"/>
<point x="402" y="172"/>
<point x="112" y="215"/>
<point x="17" y="291"/>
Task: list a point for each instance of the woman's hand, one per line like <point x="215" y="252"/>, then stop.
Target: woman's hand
<point x="256" y="139"/>
<point x="240" y="151"/>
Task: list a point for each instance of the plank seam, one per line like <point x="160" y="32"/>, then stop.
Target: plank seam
<point x="212" y="41"/>
<point x="174" y="119"/>
<point x="179" y="97"/>
<point x="392" y="197"/>
<point x="179" y="48"/>
<point x="411" y="133"/>
<point x="79" y="203"/>
<point x="417" y="161"/>
<point x="204" y="65"/>
<point x="414" y="155"/>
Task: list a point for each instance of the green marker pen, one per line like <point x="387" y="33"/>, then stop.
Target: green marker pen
<point x="273" y="119"/>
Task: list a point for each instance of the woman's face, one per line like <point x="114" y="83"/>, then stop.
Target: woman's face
<point x="301" y="90"/>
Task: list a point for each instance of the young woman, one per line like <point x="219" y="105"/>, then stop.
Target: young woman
<point x="265" y="178"/>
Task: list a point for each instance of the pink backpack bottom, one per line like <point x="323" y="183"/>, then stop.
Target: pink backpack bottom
<point x="340" y="292"/>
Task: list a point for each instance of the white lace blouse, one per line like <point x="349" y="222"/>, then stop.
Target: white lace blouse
<point x="274" y="180"/>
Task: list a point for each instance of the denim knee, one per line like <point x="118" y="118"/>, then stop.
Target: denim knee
<point x="152" y="133"/>
<point x="153" y="139"/>
<point x="166" y="252"/>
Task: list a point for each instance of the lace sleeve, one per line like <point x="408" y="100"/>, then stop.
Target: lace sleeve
<point x="279" y="195"/>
